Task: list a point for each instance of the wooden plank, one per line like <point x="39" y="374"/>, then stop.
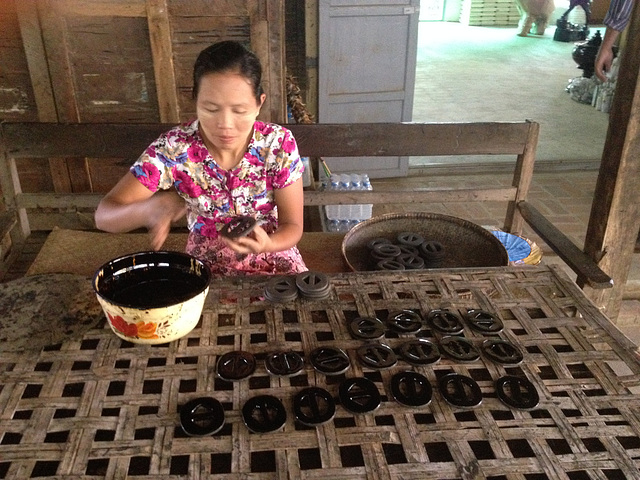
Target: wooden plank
<point x="37" y="60"/>
<point x="79" y="175"/>
<point x="8" y="220"/>
<point x="411" y="139"/>
<point x="112" y="71"/>
<point x="105" y="173"/>
<point x="413" y="196"/>
<point x="55" y="41"/>
<point x="259" y="30"/>
<point x="615" y="217"/>
<point x="10" y="185"/>
<point x="60" y="175"/>
<point x="311" y="197"/>
<point x="100" y="8"/>
<point x="522" y="177"/>
<point x="195" y="26"/>
<point x="586" y="268"/>
<point x="55" y="35"/>
<point x="163" y="65"/>
<point x="266" y="20"/>
<point x="58" y="200"/>
<point x="70" y="220"/>
<point x="277" y="62"/>
<point x="311" y="45"/>
<point x="42" y="140"/>
<point x="17" y="102"/>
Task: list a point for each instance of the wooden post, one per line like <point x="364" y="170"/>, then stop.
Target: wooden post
<point x="34" y="50"/>
<point x="266" y="20"/>
<point x="164" y="69"/>
<point x="311" y="22"/>
<point x="615" y="212"/>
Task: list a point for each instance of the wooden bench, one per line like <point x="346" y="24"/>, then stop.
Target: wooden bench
<point x="26" y="212"/>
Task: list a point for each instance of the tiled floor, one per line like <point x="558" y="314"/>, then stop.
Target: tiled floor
<point x="471" y="73"/>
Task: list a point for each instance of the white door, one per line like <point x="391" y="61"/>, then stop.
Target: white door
<point x="367" y="62"/>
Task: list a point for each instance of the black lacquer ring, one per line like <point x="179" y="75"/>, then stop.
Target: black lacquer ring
<point x="202" y="416"/>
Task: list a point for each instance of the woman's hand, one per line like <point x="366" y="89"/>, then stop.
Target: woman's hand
<point x="258" y="241"/>
<point x="289" y="201"/>
<point x="164" y="209"/>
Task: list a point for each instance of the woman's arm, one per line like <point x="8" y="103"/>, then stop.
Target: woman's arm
<point x="130" y="205"/>
<point x="290" y="203"/>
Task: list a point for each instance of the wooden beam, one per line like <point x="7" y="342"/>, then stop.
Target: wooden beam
<point x="163" y="65"/>
<point x="34" y="50"/>
<point x="587" y="270"/>
<point x="482" y="138"/>
<point x="10" y="185"/>
<point x="104" y="140"/>
<point x="123" y="8"/>
<point x="413" y="196"/>
<point x="54" y="33"/>
<point x="615" y="212"/>
<point x="277" y="63"/>
<point x="311" y="197"/>
<point x="58" y="200"/>
<point x="8" y="220"/>
<point x="522" y="177"/>
<point x="112" y="140"/>
<point x="266" y="18"/>
<point x="311" y="56"/>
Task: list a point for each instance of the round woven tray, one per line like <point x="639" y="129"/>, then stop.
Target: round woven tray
<point x="466" y="244"/>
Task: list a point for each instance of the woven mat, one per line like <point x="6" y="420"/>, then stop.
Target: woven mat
<point x="83" y="252"/>
<point x="98" y="407"/>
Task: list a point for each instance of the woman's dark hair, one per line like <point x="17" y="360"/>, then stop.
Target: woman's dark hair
<point x="228" y="56"/>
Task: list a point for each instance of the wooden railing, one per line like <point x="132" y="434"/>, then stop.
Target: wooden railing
<point x="43" y="211"/>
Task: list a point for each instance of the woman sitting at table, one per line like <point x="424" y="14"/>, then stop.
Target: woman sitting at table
<point x="222" y="165"/>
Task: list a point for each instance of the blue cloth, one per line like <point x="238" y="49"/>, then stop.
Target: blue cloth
<point x="517" y="247"/>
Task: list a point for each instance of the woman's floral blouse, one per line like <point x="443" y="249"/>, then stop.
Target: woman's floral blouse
<point x="179" y="159"/>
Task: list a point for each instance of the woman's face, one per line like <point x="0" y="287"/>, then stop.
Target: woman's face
<point x="227" y="109"/>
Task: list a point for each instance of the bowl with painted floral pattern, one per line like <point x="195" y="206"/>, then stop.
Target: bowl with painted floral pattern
<point x="152" y="297"/>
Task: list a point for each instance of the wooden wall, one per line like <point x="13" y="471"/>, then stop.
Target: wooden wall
<point x="121" y="61"/>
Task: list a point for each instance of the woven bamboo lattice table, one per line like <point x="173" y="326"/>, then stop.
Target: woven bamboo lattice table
<point x="98" y="407"/>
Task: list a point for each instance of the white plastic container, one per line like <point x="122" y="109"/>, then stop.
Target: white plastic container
<point x="306" y="175"/>
<point x="342" y="218"/>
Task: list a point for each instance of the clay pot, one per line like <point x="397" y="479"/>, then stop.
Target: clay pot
<point x="152" y="297"/>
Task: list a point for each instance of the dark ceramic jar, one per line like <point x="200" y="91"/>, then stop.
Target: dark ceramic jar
<point x="584" y="54"/>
